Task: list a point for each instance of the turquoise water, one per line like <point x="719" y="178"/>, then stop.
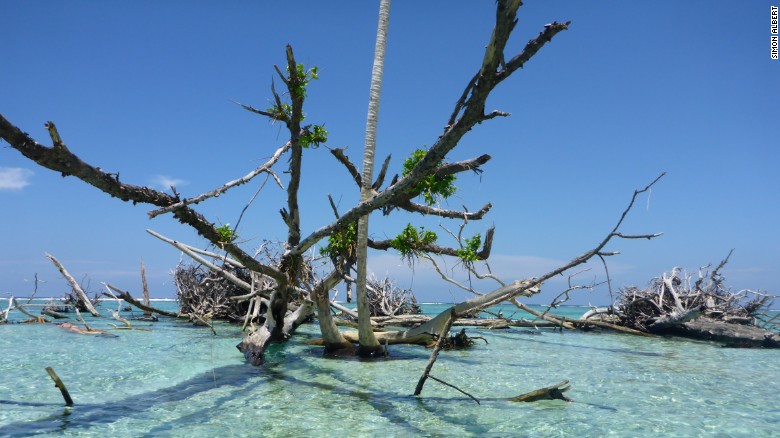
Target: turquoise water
<point x="178" y="380"/>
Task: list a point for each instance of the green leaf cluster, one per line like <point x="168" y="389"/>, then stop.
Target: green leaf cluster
<point x="468" y="253"/>
<point x="302" y="79"/>
<point x="313" y="136"/>
<point x="283" y="112"/>
<point x="342" y="243"/>
<point x="432" y="188"/>
<point x="298" y="83"/>
<point x="226" y="234"/>
<point x="409" y="242"/>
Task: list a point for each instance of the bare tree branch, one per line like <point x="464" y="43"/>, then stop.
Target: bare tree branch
<point x="449" y="279"/>
<point x="462" y="166"/>
<point x="266" y="167"/>
<point x="60" y="159"/>
<point x="380" y="179"/>
<point x="275" y="116"/>
<point x="343" y="159"/>
<point x="413" y="207"/>
<point x="223" y="272"/>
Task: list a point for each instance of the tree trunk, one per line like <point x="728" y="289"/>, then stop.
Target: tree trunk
<point x="368" y="343"/>
<point x="331" y="336"/>
<point x="253" y="346"/>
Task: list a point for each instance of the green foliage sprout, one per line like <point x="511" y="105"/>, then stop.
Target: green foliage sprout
<point x="432" y="188"/>
<point x="226" y="234"/>
<point x="314" y="135"/>
<point x="410" y="241"/>
<point x="468" y="253"/>
<point x="303" y="77"/>
<point x="283" y="112"/>
<point x="342" y="243"/>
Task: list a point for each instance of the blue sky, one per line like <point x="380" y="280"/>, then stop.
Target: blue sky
<point x="631" y="90"/>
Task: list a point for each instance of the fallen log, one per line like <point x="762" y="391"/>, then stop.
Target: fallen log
<point x="82" y="331"/>
<point x="554" y="392"/>
<point x="731" y="335"/>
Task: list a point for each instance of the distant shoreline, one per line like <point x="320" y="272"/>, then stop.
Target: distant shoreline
<point x="5" y="300"/>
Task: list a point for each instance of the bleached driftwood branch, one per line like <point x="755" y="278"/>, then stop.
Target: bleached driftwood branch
<point x="130" y="300"/>
<point x="266" y="167"/>
<point x="75" y="286"/>
<point x="189" y="251"/>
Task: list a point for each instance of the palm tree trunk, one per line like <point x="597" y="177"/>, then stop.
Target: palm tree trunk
<point x="367" y="340"/>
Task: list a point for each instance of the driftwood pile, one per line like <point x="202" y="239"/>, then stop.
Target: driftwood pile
<point x="702" y="309"/>
<point x="386" y="299"/>
<point x="206" y="295"/>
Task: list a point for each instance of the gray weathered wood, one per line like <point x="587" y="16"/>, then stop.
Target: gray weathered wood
<point x="74" y="285"/>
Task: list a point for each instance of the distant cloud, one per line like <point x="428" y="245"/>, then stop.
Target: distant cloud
<point x="14" y="178"/>
<point x="165" y="182"/>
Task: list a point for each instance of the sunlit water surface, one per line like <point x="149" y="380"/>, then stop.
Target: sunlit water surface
<point x="178" y="380"/>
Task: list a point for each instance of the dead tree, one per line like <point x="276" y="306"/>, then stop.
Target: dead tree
<point x="83" y="300"/>
<point x="288" y="280"/>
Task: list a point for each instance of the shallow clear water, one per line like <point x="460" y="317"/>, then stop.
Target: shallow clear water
<point x="177" y="380"/>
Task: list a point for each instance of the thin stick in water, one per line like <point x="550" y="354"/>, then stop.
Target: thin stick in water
<point x="58" y="383"/>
